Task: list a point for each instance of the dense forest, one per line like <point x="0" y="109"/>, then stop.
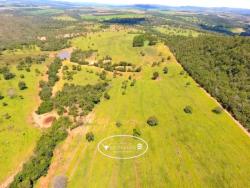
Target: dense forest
<point x="221" y="65"/>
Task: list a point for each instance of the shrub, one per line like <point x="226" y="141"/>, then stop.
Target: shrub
<point x="118" y="124"/>
<point x="155" y="75"/>
<point x="152" y="121"/>
<point x="1" y="96"/>
<point x="45" y="93"/>
<point x="90" y="137"/>
<point x="39" y="163"/>
<point x="217" y="110"/>
<point x="138" y="41"/>
<point x="45" y="106"/>
<point x="165" y="70"/>
<point x="22" y="85"/>
<point x="188" y="110"/>
<point x="136" y="132"/>
<point x="106" y="96"/>
<point x="8" y="75"/>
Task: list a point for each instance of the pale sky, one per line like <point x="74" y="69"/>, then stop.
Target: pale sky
<point x="202" y="3"/>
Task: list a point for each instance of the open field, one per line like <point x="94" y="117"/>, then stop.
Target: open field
<point x="178" y="31"/>
<point x="100" y="17"/>
<point x="118" y="45"/>
<point x="18" y="134"/>
<point x="64" y="18"/>
<point x="202" y="149"/>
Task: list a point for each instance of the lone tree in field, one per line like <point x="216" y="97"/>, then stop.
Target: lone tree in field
<point x="106" y="96"/>
<point x="136" y="132"/>
<point x="118" y="124"/>
<point x="1" y="96"/>
<point x="152" y="121"/>
<point x="90" y="137"/>
<point x="217" y="110"/>
<point x="188" y="110"/>
<point x="165" y="70"/>
<point x="155" y="75"/>
<point x="22" y="85"/>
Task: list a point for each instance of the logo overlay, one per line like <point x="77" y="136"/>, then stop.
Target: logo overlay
<point x="122" y="147"/>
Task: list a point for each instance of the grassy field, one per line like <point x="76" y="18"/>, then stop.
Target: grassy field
<point x="110" y="16"/>
<point x="118" y="45"/>
<point x="178" y="31"/>
<point x="202" y="149"/>
<point x="64" y="18"/>
<point x="18" y="135"/>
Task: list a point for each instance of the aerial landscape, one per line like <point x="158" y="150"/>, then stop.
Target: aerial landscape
<point x="133" y="95"/>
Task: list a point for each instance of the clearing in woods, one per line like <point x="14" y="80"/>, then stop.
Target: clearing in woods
<point x="202" y="149"/>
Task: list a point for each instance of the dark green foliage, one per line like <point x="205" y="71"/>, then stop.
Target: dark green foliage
<point x="155" y="75"/>
<point x="7" y="75"/>
<point x="7" y="116"/>
<point x="22" y="85"/>
<point x="90" y="137"/>
<point x="138" y="41"/>
<point x="165" y="70"/>
<point x="45" y="107"/>
<point x="45" y="93"/>
<point x="53" y="70"/>
<point x="106" y="96"/>
<point x="133" y="82"/>
<point x="217" y="110"/>
<point x="84" y="97"/>
<point x="152" y="121"/>
<point x="188" y="110"/>
<point x="79" y="56"/>
<point x="221" y="65"/>
<point x="118" y="124"/>
<point x="103" y="75"/>
<point x="39" y="163"/>
<point x="53" y="44"/>
<point x="136" y="132"/>
<point x="1" y="96"/>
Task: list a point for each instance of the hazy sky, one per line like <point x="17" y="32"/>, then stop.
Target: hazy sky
<point x="206" y="3"/>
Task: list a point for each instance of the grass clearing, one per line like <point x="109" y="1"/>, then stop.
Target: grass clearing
<point x="118" y="45"/>
<point x="202" y="149"/>
<point x="100" y="17"/>
<point x="18" y="135"/>
<point x="178" y="31"/>
<point x="64" y="18"/>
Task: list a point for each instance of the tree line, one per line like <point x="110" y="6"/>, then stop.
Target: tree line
<point x="220" y="64"/>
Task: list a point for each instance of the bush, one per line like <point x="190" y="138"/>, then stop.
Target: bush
<point x="155" y="75"/>
<point x="45" y="107"/>
<point x="152" y="121"/>
<point x="217" y="110"/>
<point x="118" y="124"/>
<point x="90" y="137"/>
<point x="138" y="41"/>
<point x="45" y="93"/>
<point x="136" y="132"/>
<point x="22" y="85"/>
<point x="188" y="110"/>
<point x="1" y="96"/>
<point x="39" y="163"/>
<point x="8" y="75"/>
<point x="106" y="96"/>
<point x="165" y="70"/>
